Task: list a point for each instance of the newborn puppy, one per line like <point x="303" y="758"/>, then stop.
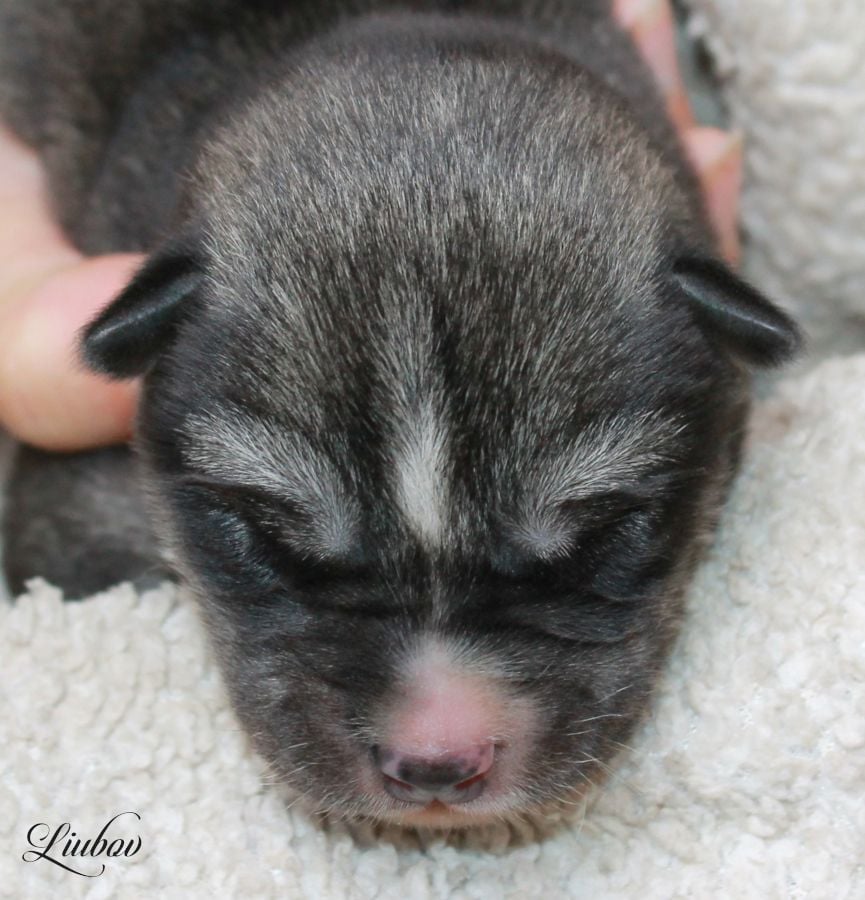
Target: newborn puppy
<point x="443" y="382"/>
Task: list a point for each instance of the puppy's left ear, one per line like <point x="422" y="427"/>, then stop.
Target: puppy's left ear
<point x="126" y="337"/>
<point x="748" y="324"/>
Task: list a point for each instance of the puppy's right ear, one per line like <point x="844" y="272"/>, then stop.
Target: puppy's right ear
<point x="737" y="314"/>
<point x="126" y="337"/>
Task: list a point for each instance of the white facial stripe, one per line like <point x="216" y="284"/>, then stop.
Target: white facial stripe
<point x="251" y="452"/>
<point x="420" y="469"/>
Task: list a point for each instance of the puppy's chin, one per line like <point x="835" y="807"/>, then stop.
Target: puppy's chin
<point x="485" y="811"/>
<point x="438" y="815"/>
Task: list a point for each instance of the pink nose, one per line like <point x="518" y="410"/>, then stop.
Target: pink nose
<point x="451" y="777"/>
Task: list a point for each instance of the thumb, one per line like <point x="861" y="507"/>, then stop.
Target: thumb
<point x="47" y="398"/>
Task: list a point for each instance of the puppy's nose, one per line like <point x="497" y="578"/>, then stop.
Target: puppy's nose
<point x="451" y="776"/>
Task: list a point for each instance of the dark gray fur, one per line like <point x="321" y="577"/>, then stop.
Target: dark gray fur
<point x="476" y="208"/>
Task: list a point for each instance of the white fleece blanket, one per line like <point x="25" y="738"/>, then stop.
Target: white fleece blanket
<point x="748" y="781"/>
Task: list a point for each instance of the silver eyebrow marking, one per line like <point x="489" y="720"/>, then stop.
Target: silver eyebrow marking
<point x="420" y="465"/>
<point x="253" y="452"/>
<point x="613" y="454"/>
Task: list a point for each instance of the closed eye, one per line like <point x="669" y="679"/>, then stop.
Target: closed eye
<point x="266" y="531"/>
<point x="581" y="620"/>
<point x="614" y="549"/>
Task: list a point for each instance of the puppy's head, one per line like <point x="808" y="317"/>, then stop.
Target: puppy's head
<point x="440" y="406"/>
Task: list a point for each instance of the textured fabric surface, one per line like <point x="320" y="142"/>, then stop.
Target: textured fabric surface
<point x="747" y="781"/>
<point x="793" y="74"/>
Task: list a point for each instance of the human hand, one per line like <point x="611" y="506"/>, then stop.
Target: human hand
<point x="48" y="291"/>
<point x="715" y="154"/>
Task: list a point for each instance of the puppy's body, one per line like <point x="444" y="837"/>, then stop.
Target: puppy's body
<point x="443" y="390"/>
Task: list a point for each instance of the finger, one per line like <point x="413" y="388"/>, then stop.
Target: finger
<point x="47" y="398"/>
<point x="715" y="154"/>
<point x="652" y="28"/>
<point x="48" y="291"/>
<point x="717" y="157"/>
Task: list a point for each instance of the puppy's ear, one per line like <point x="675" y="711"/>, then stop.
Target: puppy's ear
<point x="748" y="324"/>
<point x="126" y="337"/>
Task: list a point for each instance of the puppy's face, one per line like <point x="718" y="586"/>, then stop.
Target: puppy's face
<point x="436" y="438"/>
